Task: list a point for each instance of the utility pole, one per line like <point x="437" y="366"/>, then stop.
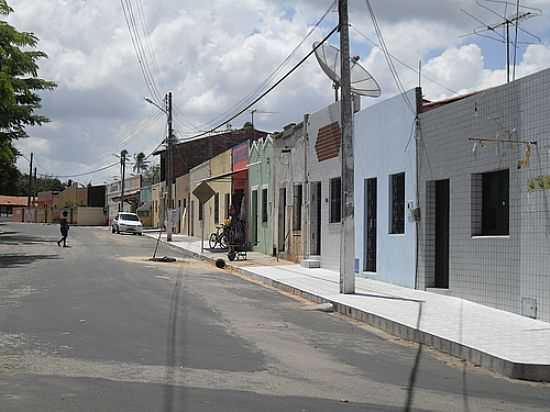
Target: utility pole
<point x="35" y="186"/>
<point x="169" y="169"/>
<point x="29" y="191"/>
<point x="347" y="233"/>
<point x="123" y="168"/>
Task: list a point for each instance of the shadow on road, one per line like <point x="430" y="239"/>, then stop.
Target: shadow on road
<point x="11" y="261"/>
<point x="16" y="238"/>
<point x="414" y="371"/>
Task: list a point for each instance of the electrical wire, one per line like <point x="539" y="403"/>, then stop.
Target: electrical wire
<point x="265" y="93"/>
<point x="139" y="50"/>
<point x="408" y="66"/>
<point x="91" y="172"/>
<point x="272" y="75"/>
<point x="388" y="58"/>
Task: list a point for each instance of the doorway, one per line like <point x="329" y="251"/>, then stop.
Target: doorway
<point x="370" y="224"/>
<point x="442" y="234"/>
<point x="315" y="219"/>
<point x="281" y="234"/>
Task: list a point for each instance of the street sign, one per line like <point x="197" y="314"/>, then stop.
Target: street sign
<point x="203" y="192"/>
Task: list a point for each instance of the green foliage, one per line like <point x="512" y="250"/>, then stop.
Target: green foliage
<point x="140" y="165"/>
<point x="9" y="175"/>
<point x="42" y="184"/>
<point x="19" y="84"/>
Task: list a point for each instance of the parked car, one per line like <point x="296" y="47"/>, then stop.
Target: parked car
<point x="128" y="223"/>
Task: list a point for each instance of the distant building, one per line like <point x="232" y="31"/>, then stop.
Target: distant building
<point x="260" y="216"/>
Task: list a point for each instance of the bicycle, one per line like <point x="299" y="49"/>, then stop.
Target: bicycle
<point x="220" y="237"/>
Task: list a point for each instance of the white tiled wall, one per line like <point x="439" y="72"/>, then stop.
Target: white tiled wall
<point x="501" y="271"/>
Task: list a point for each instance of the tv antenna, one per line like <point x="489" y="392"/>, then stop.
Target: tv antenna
<point x="519" y="14"/>
<point x="362" y="82"/>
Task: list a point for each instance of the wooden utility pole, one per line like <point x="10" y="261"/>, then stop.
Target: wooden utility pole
<point x="347" y="233"/>
<point x="123" y="173"/>
<point x="35" y="186"/>
<point x="29" y="189"/>
<point x="169" y="169"/>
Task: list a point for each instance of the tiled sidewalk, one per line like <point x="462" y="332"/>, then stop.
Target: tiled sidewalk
<point x="507" y="343"/>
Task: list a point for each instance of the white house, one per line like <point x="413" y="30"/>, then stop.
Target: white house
<point x="385" y="190"/>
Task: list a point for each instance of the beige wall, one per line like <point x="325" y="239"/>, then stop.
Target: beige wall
<point x="156" y="196"/>
<point x="89" y="216"/>
<point x="71" y="196"/>
<point x="182" y="202"/>
<point x="219" y="166"/>
<point x="196" y="175"/>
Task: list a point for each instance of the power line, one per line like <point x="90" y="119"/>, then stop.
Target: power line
<point x="265" y="93"/>
<point x="388" y="58"/>
<point x="91" y="172"/>
<point x="139" y="49"/>
<point x="270" y="77"/>
<point x="411" y="67"/>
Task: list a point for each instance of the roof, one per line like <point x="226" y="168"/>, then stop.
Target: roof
<point x="13" y="200"/>
<point x="428" y="105"/>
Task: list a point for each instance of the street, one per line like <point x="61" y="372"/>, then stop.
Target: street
<point x="95" y="327"/>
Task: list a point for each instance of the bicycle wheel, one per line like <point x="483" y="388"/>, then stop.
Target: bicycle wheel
<point x="224" y="240"/>
<point x="213" y="240"/>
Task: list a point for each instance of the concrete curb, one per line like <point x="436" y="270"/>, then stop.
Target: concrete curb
<point x="514" y="370"/>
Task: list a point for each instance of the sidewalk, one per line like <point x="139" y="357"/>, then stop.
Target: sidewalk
<point x="509" y="344"/>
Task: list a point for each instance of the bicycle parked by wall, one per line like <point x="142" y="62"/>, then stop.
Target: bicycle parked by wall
<point x="220" y="237"/>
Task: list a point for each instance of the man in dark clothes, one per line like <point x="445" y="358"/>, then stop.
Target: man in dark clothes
<point x="64" y="228"/>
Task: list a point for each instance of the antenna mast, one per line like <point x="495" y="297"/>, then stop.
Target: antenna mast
<point x="491" y="30"/>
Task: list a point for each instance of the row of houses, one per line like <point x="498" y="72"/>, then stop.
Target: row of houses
<point x="450" y="196"/>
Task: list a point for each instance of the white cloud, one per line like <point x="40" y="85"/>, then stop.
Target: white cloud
<point x="212" y="53"/>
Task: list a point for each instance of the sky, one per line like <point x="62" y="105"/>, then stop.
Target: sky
<point x="212" y="54"/>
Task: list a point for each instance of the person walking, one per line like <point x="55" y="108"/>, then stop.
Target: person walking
<point x="64" y="228"/>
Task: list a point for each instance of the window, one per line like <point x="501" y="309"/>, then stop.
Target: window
<point x="216" y="208"/>
<point x="264" y="205"/>
<point x="297" y="211"/>
<point x="227" y="205"/>
<point x="335" y="200"/>
<point x="490" y="203"/>
<point x="397" y="203"/>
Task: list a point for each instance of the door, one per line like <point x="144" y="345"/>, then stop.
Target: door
<point x="315" y="219"/>
<point x="281" y="232"/>
<point x="442" y="234"/>
<point x="370" y="224"/>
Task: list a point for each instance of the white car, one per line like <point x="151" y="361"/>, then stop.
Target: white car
<point x="127" y="222"/>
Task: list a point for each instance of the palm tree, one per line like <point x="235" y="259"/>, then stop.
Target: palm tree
<point x="141" y="164"/>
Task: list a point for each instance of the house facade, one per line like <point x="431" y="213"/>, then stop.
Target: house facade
<point x="325" y="185"/>
<point x="199" y="212"/>
<point x="289" y="191"/>
<point x="260" y="227"/>
<point x="484" y="195"/>
<point x="385" y="189"/>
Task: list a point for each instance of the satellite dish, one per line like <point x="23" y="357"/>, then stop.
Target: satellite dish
<point x="362" y="82"/>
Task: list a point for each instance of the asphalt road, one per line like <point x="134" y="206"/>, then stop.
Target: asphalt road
<point x="95" y="327"/>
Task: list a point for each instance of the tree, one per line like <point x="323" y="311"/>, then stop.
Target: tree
<point x="141" y="164"/>
<point x="19" y="87"/>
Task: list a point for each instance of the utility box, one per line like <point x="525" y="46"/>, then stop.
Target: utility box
<point x="529" y="307"/>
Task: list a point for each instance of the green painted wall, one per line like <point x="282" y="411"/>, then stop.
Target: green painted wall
<point x="260" y="211"/>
